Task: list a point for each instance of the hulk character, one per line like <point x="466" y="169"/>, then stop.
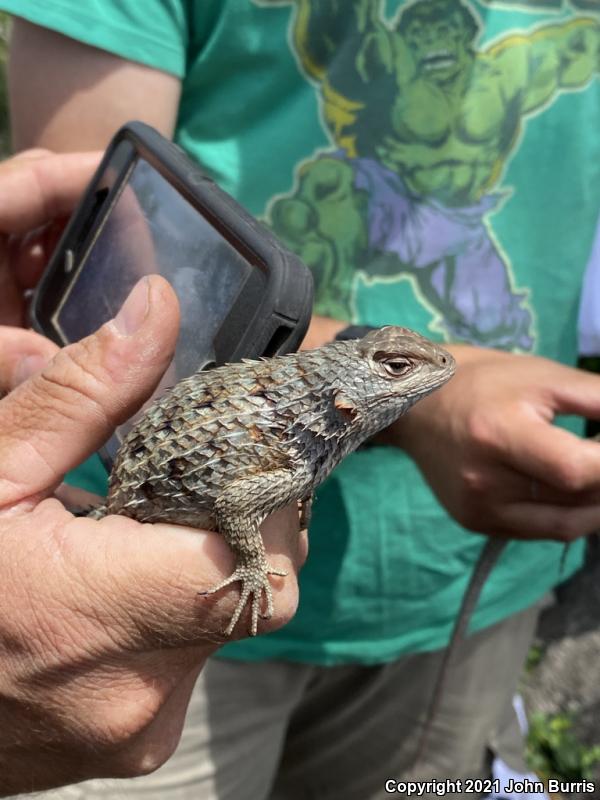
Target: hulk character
<point x="422" y="126"/>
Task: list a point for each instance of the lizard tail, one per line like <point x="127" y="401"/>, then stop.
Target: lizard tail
<point x="485" y="563"/>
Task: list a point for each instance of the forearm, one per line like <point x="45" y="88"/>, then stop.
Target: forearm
<point x="65" y="95"/>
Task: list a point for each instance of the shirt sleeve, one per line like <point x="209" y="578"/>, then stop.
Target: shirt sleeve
<point x="152" y="32"/>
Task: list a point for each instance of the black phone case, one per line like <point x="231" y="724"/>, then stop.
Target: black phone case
<point x="285" y="308"/>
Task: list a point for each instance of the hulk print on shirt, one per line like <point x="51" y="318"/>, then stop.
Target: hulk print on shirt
<point x="421" y="125"/>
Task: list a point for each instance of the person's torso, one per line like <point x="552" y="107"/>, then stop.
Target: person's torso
<point x="437" y="165"/>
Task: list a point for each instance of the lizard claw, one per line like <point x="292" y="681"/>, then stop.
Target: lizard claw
<point x="254" y="577"/>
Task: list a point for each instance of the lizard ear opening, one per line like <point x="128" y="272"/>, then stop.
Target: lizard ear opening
<point x="345" y="405"/>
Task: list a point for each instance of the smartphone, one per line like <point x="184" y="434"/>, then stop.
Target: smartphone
<point x="150" y="209"/>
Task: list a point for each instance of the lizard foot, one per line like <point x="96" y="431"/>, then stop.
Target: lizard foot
<point x="254" y="577"/>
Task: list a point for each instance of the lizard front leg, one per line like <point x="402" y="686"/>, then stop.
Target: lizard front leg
<point x="238" y="513"/>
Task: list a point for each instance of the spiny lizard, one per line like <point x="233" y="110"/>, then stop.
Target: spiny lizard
<point x="226" y="447"/>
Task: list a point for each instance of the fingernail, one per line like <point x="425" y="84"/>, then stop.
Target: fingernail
<point x="134" y="310"/>
<point x="27" y="367"/>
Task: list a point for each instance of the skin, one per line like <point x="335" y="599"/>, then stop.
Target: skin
<point x="38" y="192"/>
<point x="482" y="418"/>
<point x="67" y="119"/>
<point x="102" y="629"/>
<point x="490" y="452"/>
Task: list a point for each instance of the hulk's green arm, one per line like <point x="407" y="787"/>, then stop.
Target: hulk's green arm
<point x="322" y="27"/>
<point x="556" y="57"/>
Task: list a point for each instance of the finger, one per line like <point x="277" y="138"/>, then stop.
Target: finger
<point x="544" y="494"/>
<point x="157" y="572"/>
<point x="491" y="487"/>
<point x="12" y="310"/>
<point x="38" y="190"/>
<point x="53" y="421"/>
<point x="28" y="255"/>
<point x="546" y="521"/>
<point x="22" y="354"/>
<point x="31" y="154"/>
<point x="578" y="393"/>
<point x="553" y="456"/>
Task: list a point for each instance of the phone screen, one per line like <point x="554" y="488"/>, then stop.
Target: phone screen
<point x="151" y="228"/>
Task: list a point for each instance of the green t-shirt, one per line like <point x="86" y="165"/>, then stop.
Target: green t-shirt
<point x="437" y="165"/>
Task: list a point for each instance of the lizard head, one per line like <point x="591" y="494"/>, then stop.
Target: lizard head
<point x="406" y="361"/>
<point x="402" y="367"/>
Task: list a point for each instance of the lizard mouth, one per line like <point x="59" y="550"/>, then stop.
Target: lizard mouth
<point x="438" y="60"/>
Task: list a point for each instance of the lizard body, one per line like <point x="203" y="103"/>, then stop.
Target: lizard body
<point x="224" y="448"/>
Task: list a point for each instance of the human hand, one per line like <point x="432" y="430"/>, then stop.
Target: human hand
<point x="37" y="192"/>
<point x="486" y="444"/>
<point x="102" y="630"/>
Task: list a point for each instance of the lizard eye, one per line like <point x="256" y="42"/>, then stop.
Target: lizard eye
<point x="397" y="366"/>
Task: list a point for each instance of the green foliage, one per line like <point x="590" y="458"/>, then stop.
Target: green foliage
<point x="4" y="125"/>
<point x="534" y="656"/>
<point x="553" y="750"/>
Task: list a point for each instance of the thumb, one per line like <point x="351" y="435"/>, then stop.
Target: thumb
<point x="54" y="420"/>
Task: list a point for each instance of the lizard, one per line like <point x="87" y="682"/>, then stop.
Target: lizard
<point x="226" y="447"/>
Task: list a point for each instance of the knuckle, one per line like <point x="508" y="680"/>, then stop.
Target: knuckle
<point x="137" y="761"/>
<point x="145" y="755"/>
<point x="119" y="721"/>
<point x="474" y="481"/>
<point x="483" y="431"/>
<point x="120" y="730"/>
<point x="72" y="384"/>
<point x="76" y="367"/>
<point x="571" y="476"/>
